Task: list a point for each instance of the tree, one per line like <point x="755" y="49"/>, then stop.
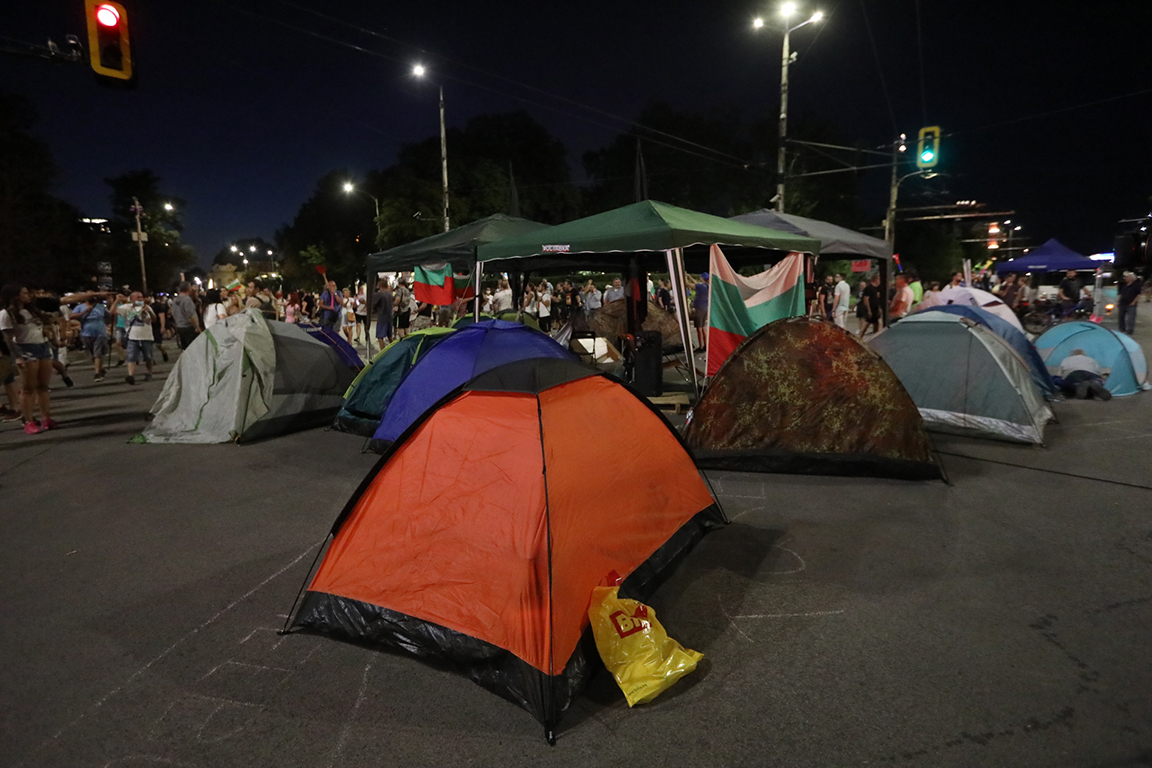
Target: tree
<point x="164" y="255"/>
<point x="43" y="241"/>
<point x="333" y="229"/>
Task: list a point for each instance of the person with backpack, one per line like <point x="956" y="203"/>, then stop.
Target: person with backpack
<point x="404" y="301"/>
<point x="137" y="315"/>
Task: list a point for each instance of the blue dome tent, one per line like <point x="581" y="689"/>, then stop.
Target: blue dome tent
<point x="455" y="360"/>
<point x="1119" y="355"/>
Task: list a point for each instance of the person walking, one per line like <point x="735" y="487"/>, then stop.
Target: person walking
<point x="363" y="319"/>
<point x="1127" y="296"/>
<point x="544" y="306"/>
<point x="901" y="303"/>
<point x="843" y="301"/>
<point x="22" y="325"/>
<point x="184" y="316"/>
<point x="873" y="316"/>
<point x="93" y="318"/>
<point x="348" y="316"/>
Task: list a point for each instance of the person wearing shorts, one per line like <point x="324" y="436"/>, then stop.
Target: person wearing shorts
<point x="23" y="327"/>
<point x="138" y="324"/>
<point x="93" y="332"/>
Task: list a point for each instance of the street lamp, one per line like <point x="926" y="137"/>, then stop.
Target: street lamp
<point x="349" y="187"/>
<point x="786" y="10"/>
<point x="419" y="71"/>
<point x="890" y="218"/>
<point x="168" y="207"/>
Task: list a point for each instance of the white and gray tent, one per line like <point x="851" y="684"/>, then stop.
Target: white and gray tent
<point x="964" y="378"/>
<point x="246" y="378"/>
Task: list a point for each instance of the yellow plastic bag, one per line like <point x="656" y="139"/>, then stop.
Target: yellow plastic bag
<point x="635" y="648"/>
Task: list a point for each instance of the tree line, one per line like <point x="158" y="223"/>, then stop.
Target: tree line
<point x="498" y="163"/>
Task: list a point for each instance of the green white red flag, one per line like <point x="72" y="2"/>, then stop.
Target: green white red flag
<point x="434" y="284"/>
<point x="739" y="305"/>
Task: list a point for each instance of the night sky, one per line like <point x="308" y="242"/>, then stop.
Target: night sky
<point x="240" y="114"/>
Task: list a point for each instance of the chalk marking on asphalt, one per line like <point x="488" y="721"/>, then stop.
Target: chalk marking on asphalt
<point x="274" y="630"/>
<point x="1117" y="437"/>
<point x="311" y="548"/>
<point x="260" y="667"/>
<point x="785" y="615"/>
<point x="803" y="564"/>
<point x="156" y="759"/>
<point x="750" y="509"/>
<point x="347" y="729"/>
<point x="720" y="600"/>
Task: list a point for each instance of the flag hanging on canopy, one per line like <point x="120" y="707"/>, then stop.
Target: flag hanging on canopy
<point x="739" y="305"/>
<point x="434" y="284"/>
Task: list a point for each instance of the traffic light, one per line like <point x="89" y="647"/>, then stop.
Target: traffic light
<point x="109" y="49"/>
<point x="928" y="147"/>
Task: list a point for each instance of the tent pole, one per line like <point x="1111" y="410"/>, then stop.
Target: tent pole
<point x="369" y="290"/>
<point x="477" y="271"/>
<point x="675" y="259"/>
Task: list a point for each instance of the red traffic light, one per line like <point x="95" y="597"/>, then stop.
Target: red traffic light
<point x="107" y="15"/>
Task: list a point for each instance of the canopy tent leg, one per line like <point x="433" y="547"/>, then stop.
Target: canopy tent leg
<point x="369" y="290"/>
<point x="676" y="275"/>
<point x="477" y="271"/>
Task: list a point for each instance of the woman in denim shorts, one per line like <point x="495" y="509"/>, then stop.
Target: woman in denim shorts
<point x="23" y="328"/>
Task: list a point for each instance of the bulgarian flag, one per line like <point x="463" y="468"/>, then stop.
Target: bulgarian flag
<point x="739" y="305"/>
<point x="434" y="284"/>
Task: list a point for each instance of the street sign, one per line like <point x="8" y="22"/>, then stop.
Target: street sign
<point x="141" y="236"/>
<point x="104" y="267"/>
<point x="861" y="265"/>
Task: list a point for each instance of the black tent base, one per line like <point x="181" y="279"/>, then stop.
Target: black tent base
<point x="788" y="463"/>
<point x="547" y="697"/>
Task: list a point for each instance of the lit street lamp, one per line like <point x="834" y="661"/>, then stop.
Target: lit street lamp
<point x="786" y="10"/>
<point x="349" y="187"/>
<point x="168" y="207"/>
<point x="419" y="71"/>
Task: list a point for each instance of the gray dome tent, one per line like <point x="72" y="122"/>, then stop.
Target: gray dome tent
<point x="246" y="378"/>
<point x="964" y="378"/>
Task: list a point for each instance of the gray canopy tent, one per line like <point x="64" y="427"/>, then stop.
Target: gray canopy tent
<point x="834" y="240"/>
<point x="457" y="246"/>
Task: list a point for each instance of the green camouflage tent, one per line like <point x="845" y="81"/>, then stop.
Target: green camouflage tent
<point x="369" y="394"/>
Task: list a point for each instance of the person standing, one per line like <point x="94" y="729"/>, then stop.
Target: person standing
<point x="916" y="286"/>
<point x="615" y="293"/>
<point x="700" y="312"/>
<point x="382" y="303"/>
<point x="1127" y="296"/>
<point x="138" y="324"/>
<point x="592" y="298"/>
<point x="402" y="308"/>
<point x="544" y="306"/>
<point x="93" y="318"/>
<point x="502" y="299"/>
<point x="215" y="310"/>
<point x="23" y="328"/>
<point x="1069" y="292"/>
<point x="329" y="306"/>
<point x="825" y="303"/>
<point x="902" y="302"/>
<point x="363" y="320"/>
<point x="873" y="309"/>
<point x="843" y="296"/>
<point x="184" y="316"/>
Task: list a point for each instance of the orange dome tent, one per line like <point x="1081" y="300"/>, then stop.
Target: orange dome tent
<point x="480" y="535"/>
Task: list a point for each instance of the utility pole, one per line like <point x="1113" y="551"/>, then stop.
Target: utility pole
<point x="781" y="160"/>
<point x="444" y="158"/>
<point x="890" y="219"/>
<point x="140" y="238"/>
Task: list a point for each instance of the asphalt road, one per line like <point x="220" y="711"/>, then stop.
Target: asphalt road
<point x="1002" y="620"/>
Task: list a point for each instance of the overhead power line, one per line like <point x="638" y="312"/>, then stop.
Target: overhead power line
<point x="511" y="81"/>
<point x="1049" y="113"/>
<point x="880" y="69"/>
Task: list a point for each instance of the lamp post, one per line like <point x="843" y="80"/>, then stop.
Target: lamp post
<point x="420" y="71"/>
<point x="890" y="217"/>
<point x="350" y="187"/>
<point x="786" y="10"/>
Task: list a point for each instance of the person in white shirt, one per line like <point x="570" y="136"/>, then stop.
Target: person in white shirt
<point x="615" y="293"/>
<point x="1081" y="377"/>
<point x="544" y="306"/>
<point x="843" y="296"/>
<point x="137" y="316"/>
<point x="502" y="299"/>
<point x="23" y="327"/>
<point x="902" y="301"/>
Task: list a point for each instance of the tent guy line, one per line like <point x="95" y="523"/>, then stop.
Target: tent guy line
<point x="158" y="657"/>
<point x="1049" y="471"/>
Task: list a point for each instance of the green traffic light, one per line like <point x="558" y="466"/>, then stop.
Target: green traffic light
<point x="927" y="155"/>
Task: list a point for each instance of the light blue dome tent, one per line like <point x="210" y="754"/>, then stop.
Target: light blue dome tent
<point x="1120" y="357"/>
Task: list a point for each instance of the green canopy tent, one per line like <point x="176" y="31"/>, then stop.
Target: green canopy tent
<point x="648" y="234"/>
<point x="457" y="246"/>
